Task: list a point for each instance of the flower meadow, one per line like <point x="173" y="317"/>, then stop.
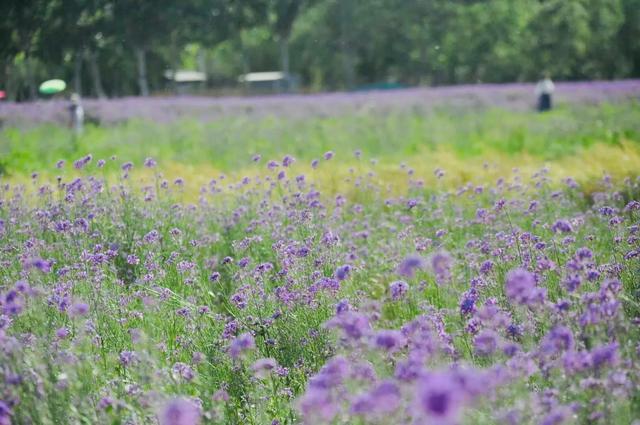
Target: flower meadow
<point x="513" y="96"/>
<point x="273" y="300"/>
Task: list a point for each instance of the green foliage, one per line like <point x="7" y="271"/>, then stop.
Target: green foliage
<point x="329" y="43"/>
<point x="228" y="144"/>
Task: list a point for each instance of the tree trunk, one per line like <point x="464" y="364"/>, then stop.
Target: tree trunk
<point x="31" y="78"/>
<point x="92" y="57"/>
<point x="202" y="66"/>
<point x="285" y="84"/>
<point x="246" y="66"/>
<point x="143" y="84"/>
<point x="284" y="54"/>
<point x="77" y="73"/>
<point x="348" y="67"/>
<point x="175" y="61"/>
<point x="11" y="93"/>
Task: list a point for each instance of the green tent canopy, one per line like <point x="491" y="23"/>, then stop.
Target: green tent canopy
<point x="52" y="86"/>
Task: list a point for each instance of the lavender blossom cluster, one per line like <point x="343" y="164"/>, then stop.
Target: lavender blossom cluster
<point x="273" y="300"/>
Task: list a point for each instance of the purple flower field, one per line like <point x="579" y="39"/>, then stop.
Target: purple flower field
<point x="272" y="301"/>
<point x="517" y="97"/>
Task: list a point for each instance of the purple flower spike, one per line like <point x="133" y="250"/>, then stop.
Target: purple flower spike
<point x="263" y="367"/>
<point x="179" y="411"/>
<point x="342" y="272"/>
<point x="150" y="162"/>
<point x="441" y="263"/>
<point x="241" y="344"/>
<point x="398" y="289"/>
<point x="520" y="287"/>
<point x="408" y="266"/>
<point x="389" y="340"/>
<point x="439" y="399"/>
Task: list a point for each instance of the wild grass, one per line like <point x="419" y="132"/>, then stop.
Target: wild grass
<point x="392" y="137"/>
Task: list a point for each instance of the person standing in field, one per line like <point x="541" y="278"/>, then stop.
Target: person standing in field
<point x="76" y="112"/>
<point x="544" y="92"/>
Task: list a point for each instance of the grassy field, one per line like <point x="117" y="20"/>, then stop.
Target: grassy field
<point x="575" y="141"/>
<point x="444" y="268"/>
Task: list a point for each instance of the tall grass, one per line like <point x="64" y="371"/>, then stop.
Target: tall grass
<point x="227" y="144"/>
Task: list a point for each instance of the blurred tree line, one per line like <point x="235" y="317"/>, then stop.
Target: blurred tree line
<point x="122" y="47"/>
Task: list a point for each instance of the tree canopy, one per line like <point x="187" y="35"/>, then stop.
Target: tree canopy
<point x="124" y="47"/>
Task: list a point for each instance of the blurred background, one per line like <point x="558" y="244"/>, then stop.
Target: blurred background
<point x="113" y="48"/>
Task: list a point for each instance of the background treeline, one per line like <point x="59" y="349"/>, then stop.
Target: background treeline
<point x="123" y="47"/>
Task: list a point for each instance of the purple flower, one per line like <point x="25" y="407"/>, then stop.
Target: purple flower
<point x="384" y="398"/>
<point x="332" y="374"/>
<point x="439" y="398"/>
<point x="262" y="367"/>
<point x="221" y="395"/>
<point x="398" y="289"/>
<point x="584" y="253"/>
<point x="558" y="339"/>
<point x="468" y="302"/>
<point x="314" y="164"/>
<point x="486" y="342"/>
<point x="62" y="333"/>
<point x="12" y="304"/>
<point x="184" y="371"/>
<point x="242" y="343"/>
<point x="127" y="358"/>
<point x="562" y="226"/>
<point x="441" y="263"/>
<point x="408" y="266"/>
<point x="133" y="260"/>
<point x="79" y="309"/>
<point x="179" y="411"/>
<point x="5" y="413"/>
<point x="152" y="237"/>
<point x="328" y="155"/>
<point x="572" y="282"/>
<point x="342" y="306"/>
<point x="389" y="340"/>
<point x="520" y="286"/>
<point x="342" y="272"/>
<point x="150" y="162"/>
<point x="605" y="355"/>
<point x="557" y="416"/>
<point x="43" y="265"/>
<point x="80" y="163"/>
<point x="486" y="267"/>
<point x="317" y="405"/>
<point x="354" y="325"/>
<point x="288" y="160"/>
<point x="106" y="402"/>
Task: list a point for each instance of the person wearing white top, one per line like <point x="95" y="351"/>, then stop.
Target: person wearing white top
<point x="544" y="91"/>
<point x="76" y="112"/>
